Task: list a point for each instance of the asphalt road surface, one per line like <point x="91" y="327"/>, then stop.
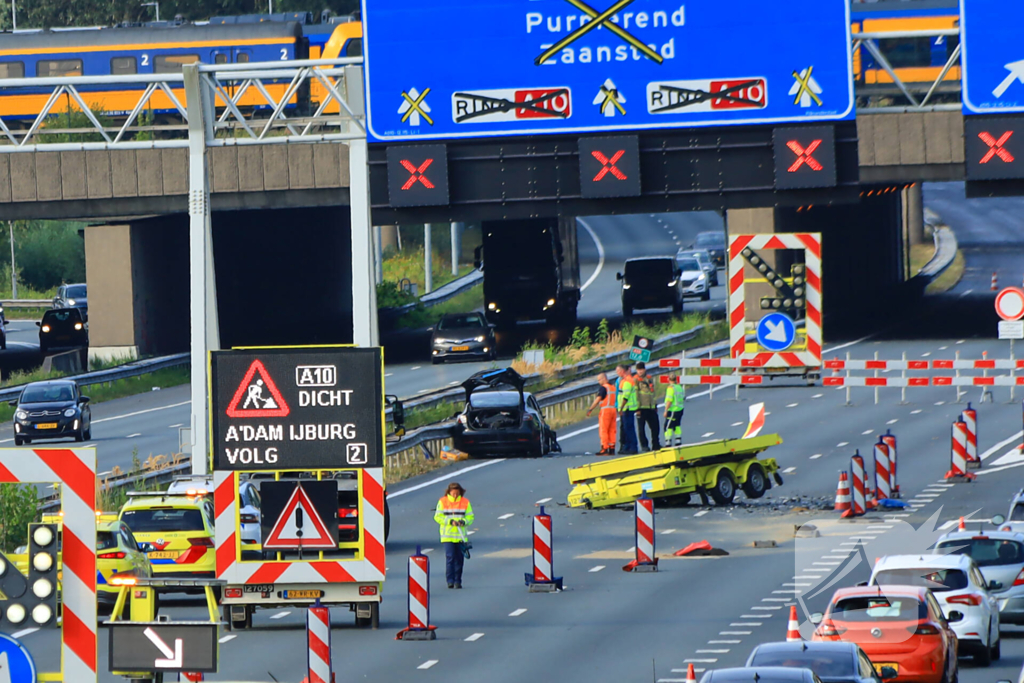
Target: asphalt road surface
<point x="611" y="625"/>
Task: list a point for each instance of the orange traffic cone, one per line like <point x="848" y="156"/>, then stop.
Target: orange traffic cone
<point x="961" y="526"/>
<point x="691" y="675"/>
<point x="843" y="493"/>
<point x="793" y="629"/>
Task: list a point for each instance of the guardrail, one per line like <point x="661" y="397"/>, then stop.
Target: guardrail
<point x="945" y="253"/>
<point x="440" y="295"/>
<point x="133" y="369"/>
<point x="26" y="303"/>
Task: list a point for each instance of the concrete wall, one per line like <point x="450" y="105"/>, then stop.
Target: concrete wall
<point x="914" y="147"/>
<point x="101" y="184"/>
<point x="108" y="272"/>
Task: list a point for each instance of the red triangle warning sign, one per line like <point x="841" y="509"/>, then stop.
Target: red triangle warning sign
<point x="257" y="395"/>
<point x="299" y="526"/>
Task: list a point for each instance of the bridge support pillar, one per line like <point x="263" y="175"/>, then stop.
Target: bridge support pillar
<point x="108" y="267"/>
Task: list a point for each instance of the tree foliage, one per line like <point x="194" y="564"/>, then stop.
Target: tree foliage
<point x="17" y="508"/>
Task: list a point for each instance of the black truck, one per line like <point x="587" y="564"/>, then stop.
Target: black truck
<point x="531" y="270"/>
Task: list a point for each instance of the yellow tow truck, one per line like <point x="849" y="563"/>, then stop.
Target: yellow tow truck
<point x="711" y="469"/>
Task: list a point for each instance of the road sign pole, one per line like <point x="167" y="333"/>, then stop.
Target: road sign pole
<point x="428" y="268"/>
<point x="205" y="330"/>
<point x="364" y="283"/>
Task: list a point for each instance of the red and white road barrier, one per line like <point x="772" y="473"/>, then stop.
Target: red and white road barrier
<point x="542" y="578"/>
<point x="723" y="380"/>
<point x="843" y="493"/>
<point x="938" y="364"/>
<point x="419" y="627"/>
<point x="859" y="502"/>
<point x="958" y="454"/>
<point x="996" y="381"/>
<point x="318" y="650"/>
<point x="645" y="560"/>
<point x="970" y="418"/>
<point x="889" y="439"/>
<point x="793" y="627"/>
<point x="883" y="483"/>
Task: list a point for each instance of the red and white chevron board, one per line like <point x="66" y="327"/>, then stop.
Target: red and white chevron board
<point x="75" y="469"/>
<point x="645" y="531"/>
<point x="883" y="481"/>
<point x="542" y="548"/>
<point x="367" y="567"/>
<point x="811" y="245"/>
<point x="318" y="640"/>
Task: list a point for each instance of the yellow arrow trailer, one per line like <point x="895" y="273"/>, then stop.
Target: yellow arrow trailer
<point x="711" y="468"/>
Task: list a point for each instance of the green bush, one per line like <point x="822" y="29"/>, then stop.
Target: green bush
<point x="390" y="294"/>
<point x="17" y="509"/>
<point x="46" y="253"/>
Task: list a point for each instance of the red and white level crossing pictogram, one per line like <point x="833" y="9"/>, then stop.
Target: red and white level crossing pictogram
<point x="318" y="638"/>
<point x="75" y="470"/>
<point x="299" y="526"/>
<point x="810" y="243"/>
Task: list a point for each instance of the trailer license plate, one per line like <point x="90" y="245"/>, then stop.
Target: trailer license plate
<point x="460" y="348"/>
<point x="258" y="588"/>
<point x="46" y="425"/>
<point x="307" y="595"/>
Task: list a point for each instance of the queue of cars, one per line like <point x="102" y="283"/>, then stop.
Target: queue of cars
<point x="666" y="282"/>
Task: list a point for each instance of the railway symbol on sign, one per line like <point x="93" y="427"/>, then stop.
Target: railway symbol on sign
<point x="257" y="395"/>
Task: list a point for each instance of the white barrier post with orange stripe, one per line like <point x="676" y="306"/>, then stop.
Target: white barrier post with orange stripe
<point x="970" y="419"/>
<point x="542" y="578"/>
<point x="645" y="559"/>
<point x="419" y="627"/>
<point x="75" y="470"/>
<point x="958" y="454"/>
<point x="890" y="440"/>
<point x="843" y="493"/>
<point x="883" y="483"/>
<point x="859" y="505"/>
<point x="318" y="639"/>
<point x="793" y="627"/>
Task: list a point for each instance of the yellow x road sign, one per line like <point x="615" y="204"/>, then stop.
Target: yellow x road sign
<point x="805" y="86"/>
<point x="414" y="106"/>
<point x="599" y="19"/>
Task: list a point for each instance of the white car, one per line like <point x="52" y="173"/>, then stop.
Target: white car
<point x="695" y="281"/>
<point x="1000" y="557"/>
<point x="248" y="509"/>
<point x="962" y="592"/>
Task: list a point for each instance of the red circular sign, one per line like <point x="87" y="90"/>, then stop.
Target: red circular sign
<point x="1010" y="303"/>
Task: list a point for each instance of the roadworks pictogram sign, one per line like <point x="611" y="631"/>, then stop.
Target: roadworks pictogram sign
<point x="257" y="395"/>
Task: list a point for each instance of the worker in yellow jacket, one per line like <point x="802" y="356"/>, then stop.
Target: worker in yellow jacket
<point x="454" y="513"/>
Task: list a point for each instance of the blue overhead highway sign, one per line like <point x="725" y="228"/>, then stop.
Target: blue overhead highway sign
<point x="992" y="54"/>
<point x="465" y="68"/>
<point x="776" y="332"/>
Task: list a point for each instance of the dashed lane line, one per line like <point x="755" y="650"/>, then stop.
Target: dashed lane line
<point x="817" y="396"/>
<point x="792" y="405"/>
<point x="720" y="651"/>
<point x="427" y="664"/>
<point x="739" y="623"/>
<point x="737" y="424"/>
<point x="542" y="501"/>
<point x="700" y="514"/>
<point x="842" y="443"/>
<point x="724" y="642"/>
<point x="667" y="531"/>
<point x="789" y="470"/>
<point x="507" y="515"/>
<point x="516" y="613"/>
<point x="765" y="607"/>
<point x="227" y="638"/>
<point x="132" y="436"/>
<point x="475" y="637"/>
<point x="596" y="569"/>
<point x="892" y="421"/>
<point x="777" y="599"/>
<point x="709" y="660"/>
<point x="815" y="456"/>
<point x="706" y="435"/>
<point x="915" y="412"/>
<point x="281" y="615"/>
<point x="868" y="431"/>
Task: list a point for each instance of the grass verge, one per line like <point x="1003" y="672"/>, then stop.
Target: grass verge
<point x="425" y="317"/>
<point x="409" y="265"/>
<point x="920" y="255"/>
<point x="949" y="277"/>
<point x="414" y="468"/>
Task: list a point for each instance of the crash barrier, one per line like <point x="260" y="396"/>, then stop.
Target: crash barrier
<point x="843" y="502"/>
<point x="419" y="627"/>
<point x="889" y="439"/>
<point x="859" y="503"/>
<point x="318" y="639"/>
<point x="882" y="480"/>
<point x="542" y="579"/>
<point x="793" y="627"/>
<point x="645" y="560"/>
<point x="958" y="454"/>
<point x="969" y="417"/>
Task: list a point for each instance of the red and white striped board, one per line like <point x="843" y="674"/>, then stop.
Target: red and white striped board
<point x="75" y="470"/>
<point x="542" y="577"/>
<point x="367" y="566"/>
<point x="883" y="482"/>
<point x="997" y="381"/>
<point x="810" y="243"/>
<point x="419" y="627"/>
<point x="645" y="559"/>
<point x="938" y="364"/>
<point x="718" y="380"/>
<point x="318" y="639"/>
<point x="889" y="440"/>
<point x="958" y="454"/>
<point x="859" y="502"/>
<point x="970" y="418"/>
<point x="843" y="502"/>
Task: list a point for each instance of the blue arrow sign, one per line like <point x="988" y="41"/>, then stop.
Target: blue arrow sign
<point x="16" y="665"/>
<point x="776" y="332"/>
<point x="465" y="68"/>
<point x="992" y="55"/>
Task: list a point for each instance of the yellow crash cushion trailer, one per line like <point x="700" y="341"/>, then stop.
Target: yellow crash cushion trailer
<point x="711" y="468"/>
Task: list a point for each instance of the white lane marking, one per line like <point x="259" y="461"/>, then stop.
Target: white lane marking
<point x="700" y="514"/>
<point x="720" y="651"/>
<point x="475" y="637"/>
<point x="24" y="632"/>
<point x="789" y="470"/>
<point x="842" y="443"/>
<point x="724" y="642"/>
<point x="961" y="341"/>
<point x="1002" y="444"/>
<point x="132" y="436"/>
<point x="176" y="426"/>
<point x="799" y="584"/>
<point x="864" y="538"/>
<point x="507" y="515"/>
<point x="817" y="396"/>
<point x="792" y="405"/>
<point x="786" y="592"/>
<point x="542" y="501"/>
<point x="281" y="615"/>
<point x="427" y="550"/>
<point x="765" y="607"/>
<point x="868" y="431"/>
<point x="740" y="623"/>
<point x="668" y="531"/>
<point x="600" y="254"/>
<point x="452" y="384"/>
<point x="710" y="660"/>
<point x="815" y="456"/>
<point x="446" y="477"/>
<point x="848" y="543"/>
<point x="416" y="367"/>
<point x="992" y="470"/>
<point x="846" y="552"/>
<point x="141" y="412"/>
<point x="878" y="526"/>
<point x="427" y="664"/>
<point x="736" y="424"/>
<point x="848" y="344"/>
<point x="926" y="354"/>
<point x="756" y="616"/>
<point x="940" y="403"/>
<point x="516" y="613"/>
<point x="388" y="374"/>
<point x="915" y="412"/>
<point x="706" y="435"/>
<point x="596" y="569"/>
<point x="228" y="637"/>
<point x="943" y="348"/>
<point x="827" y="564"/>
<point x="965" y="294"/>
<point x="424" y="391"/>
<point x="779" y="599"/>
<point x="893" y="421"/>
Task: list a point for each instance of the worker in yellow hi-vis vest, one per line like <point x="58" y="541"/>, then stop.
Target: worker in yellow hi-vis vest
<point x="675" y="402"/>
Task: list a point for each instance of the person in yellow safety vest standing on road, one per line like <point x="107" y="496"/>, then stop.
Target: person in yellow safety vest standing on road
<point x="608" y="416"/>
<point x="454" y="513"/>
<point x="627" y="404"/>
<point x="675" y="401"/>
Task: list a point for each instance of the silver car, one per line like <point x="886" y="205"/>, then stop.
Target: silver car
<point x="694" y="279"/>
<point x="1000" y="557"/>
<point x="704" y="259"/>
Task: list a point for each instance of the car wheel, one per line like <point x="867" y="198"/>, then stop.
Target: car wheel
<point x="725" y="488"/>
<point x="983" y="655"/>
<point x="627" y="311"/>
<point x="756" y="483"/>
<point x="997" y="652"/>
<point x="18" y="441"/>
<point x="706" y="296"/>
<point x="88" y="433"/>
<point x="80" y="435"/>
<point x="677" y="307"/>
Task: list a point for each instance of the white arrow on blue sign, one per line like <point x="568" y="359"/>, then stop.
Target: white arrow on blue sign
<point x="16" y="665"/>
<point x="776" y="332"/>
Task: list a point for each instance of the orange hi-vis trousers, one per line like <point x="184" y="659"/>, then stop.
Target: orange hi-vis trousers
<point x="607" y="419"/>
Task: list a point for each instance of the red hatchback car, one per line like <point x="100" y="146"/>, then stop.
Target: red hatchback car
<point x="900" y="627"/>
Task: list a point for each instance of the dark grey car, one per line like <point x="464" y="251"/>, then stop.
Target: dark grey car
<point x="832" y="662"/>
<point x="72" y="296"/>
<point x="714" y="244"/>
<point x="760" y="674"/>
<point x="51" y="410"/>
<point x="463" y="336"/>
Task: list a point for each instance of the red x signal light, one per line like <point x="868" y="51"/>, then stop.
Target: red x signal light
<point x="416" y="173"/>
<point x="803" y="155"/>
<point x="608" y="165"/>
<point x="995" y="147"/>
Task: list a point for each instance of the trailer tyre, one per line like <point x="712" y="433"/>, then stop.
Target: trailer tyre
<point x="725" y="488"/>
<point x="387" y="520"/>
<point x="756" y="483"/>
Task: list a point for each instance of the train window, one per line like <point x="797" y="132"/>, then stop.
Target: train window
<point x="123" y="65"/>
<point x="12" y="69"/>
<point x="46" y="68"/>
<point x="354" y="48"/>
<point x="907" y="52"/>
<point x="171" y="64"/>
<point x="242" y="57"/>
<point x="220" y="58"/>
